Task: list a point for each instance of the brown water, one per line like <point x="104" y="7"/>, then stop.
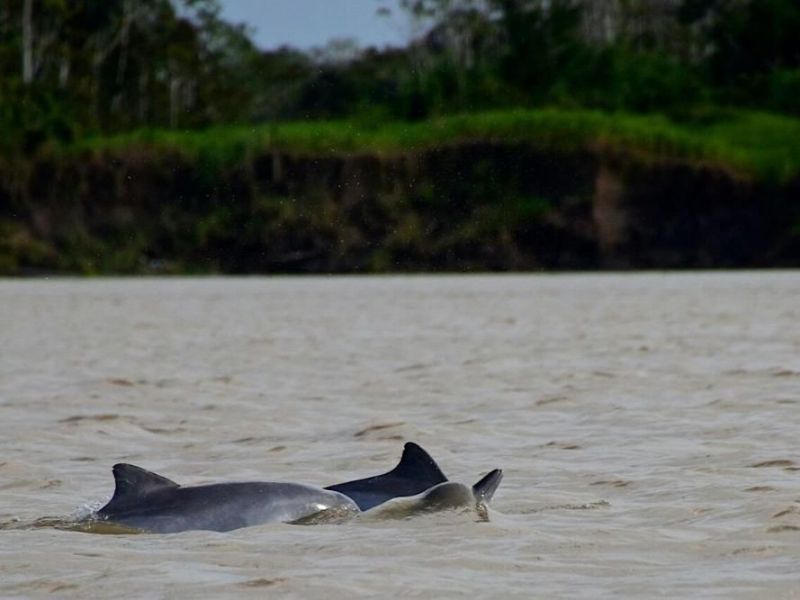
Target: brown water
<point x="647" y="425"/>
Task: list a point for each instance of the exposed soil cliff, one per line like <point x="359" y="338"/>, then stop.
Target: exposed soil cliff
<point x="469" y="206"/>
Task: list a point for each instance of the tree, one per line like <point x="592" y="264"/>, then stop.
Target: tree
<point x="27" y="42"/>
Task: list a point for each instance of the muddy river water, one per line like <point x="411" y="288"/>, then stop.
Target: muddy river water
<point x="648" y="426"/>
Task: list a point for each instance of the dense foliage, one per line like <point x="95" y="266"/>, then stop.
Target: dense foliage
<point x="74" y="67"/>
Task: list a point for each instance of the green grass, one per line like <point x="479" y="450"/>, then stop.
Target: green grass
<point x="761" y="145"/>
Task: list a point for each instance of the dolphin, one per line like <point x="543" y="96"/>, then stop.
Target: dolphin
<point x="148" y="502"/>
<point x="448" y="495"/>
<point x="415" y="473"/>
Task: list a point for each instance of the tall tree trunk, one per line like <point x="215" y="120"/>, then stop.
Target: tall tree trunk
<point x="97" y="63"/>
<point x="63" y="70"/>
<point x="143" y="91"/>
<point x="122" y="62"/>
<point x="5" y="18"/>
<point x="27" y="42"/>
<point x="174" y="100"/>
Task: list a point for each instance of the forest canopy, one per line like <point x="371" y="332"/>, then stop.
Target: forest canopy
<point x="72" y="68"/>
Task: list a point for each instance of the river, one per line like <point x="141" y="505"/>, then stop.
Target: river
<point x="647" y="425"/>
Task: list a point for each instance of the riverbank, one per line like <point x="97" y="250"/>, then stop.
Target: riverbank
<point x="494" y="191"/>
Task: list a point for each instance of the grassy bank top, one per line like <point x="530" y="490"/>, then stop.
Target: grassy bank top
<point x="751" y="144"/>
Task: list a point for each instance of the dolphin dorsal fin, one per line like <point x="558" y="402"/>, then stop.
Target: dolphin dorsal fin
<point x="417" y="464"/>
<point x="485" y="488"/>
<point x="415" y="473"/>
<point x="134" y="483"/>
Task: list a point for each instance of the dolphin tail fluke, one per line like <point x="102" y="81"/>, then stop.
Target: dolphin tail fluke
<point x="486" y="487"/>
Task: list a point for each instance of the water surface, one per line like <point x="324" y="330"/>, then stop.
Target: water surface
<point x="647" y="426"/>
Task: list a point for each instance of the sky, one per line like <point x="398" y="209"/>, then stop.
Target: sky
<point x="311" y="23"/>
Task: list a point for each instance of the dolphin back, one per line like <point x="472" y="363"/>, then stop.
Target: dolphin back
<point x="148" y="502"/>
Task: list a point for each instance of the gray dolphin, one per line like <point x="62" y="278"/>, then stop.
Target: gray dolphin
<point x="149" y="502"/>
<point x="415" y="473"/>
<point x="444" y="496"/>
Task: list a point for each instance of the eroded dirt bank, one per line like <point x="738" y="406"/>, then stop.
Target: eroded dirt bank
<point x="471" y="206"/>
